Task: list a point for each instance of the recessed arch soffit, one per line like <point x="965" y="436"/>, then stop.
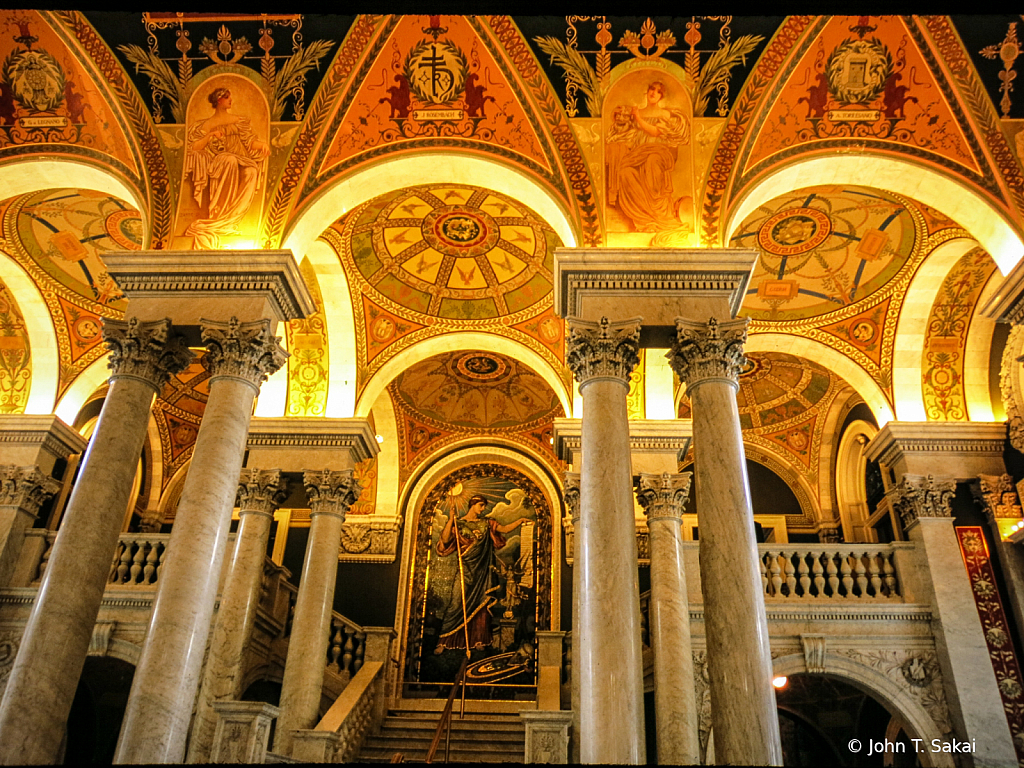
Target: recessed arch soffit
<point x="87" y="109"/>
<point x="835" y="264"/>
<point x="471" y="394"/>
<point x="432" y="259"/>
<point x="825" y="84"/>
<point x="497" y="102"/>
<point x="783" y="403"/>
<point x="58" y="237"/>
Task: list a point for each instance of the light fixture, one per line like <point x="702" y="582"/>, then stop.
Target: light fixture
<point x="380" y="438"/>
<point x="780" y="681"/>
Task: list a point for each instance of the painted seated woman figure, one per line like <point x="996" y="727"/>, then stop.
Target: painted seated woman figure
<point x="642" y="148"/>
<point x="225" y="158"/>
<point x="474" y="539"/>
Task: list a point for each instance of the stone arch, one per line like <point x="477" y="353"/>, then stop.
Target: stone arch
<point x="42" y="339"/>
<point x="781" y="467"/>
<point x="424" y="168"/>
<point x="953" y="198"/>
<point x="82" y="389"/>
<point x="487" y="342"/>
<point x="880" y="687"/>
<point x="835" y="361"/>
<point x="849" y="481"/>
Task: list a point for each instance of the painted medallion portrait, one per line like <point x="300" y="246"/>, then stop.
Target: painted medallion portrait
<point x="482" y="544"/>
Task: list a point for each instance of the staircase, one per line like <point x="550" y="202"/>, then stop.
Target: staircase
<point x="490" y="738"/>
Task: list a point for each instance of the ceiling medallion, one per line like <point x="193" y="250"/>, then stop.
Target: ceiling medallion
<point x="794" y="231"/>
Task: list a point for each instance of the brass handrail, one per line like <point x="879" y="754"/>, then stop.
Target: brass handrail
<point x="446" y="715"/>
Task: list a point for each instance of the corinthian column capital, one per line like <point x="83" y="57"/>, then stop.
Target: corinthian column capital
<point x="571" y="483"/>
<point x="663" y="496"/>
<point x="260" y="491"/>
<point x="917" y="496"/>
<point x="25" y="488"/>
<point x="997" y="495"/>
<point x="710" y="351"/>
<point x="603" y="350"/>
<point x="331" y="492"/>
<point x="144" y="351"/>
<point x="246" y="351"/>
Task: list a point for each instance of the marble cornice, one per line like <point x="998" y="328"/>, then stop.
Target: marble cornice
<point x="949" y="438"/>
<point x="909" y="612"/>
<point x="46" y="432"/>
<point x="1007" y="304"/>
<point x="645" y="436"/>
<point x="202" y="276"/>
<point x="353" y="434"/>
<point x="649" y="273"/>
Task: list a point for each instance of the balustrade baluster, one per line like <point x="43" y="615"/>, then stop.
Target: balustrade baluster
<point x="846" y="570"/>
<point x="803" y="570"/>
<point x="787" y="564"/>
<point x="337" y="637"/>
<point x="137" y="561"/>
<point x="357" y="662"/>
<point x="773" y="559"/>
<point x="126" y="559"/>
<point x="764" y="574"/>
<point x="152" y="560"/>
<point x="819" y="579"/>
<point x="890" y="576"/>
<point x="862" y="579"/>
<point x="873" y="571"/>
<point x="350" y="644"/>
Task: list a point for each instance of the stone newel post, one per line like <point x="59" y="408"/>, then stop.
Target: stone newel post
<point x="602" y="356"/>
<point x="708" y="357"/>
<point x="42" y="684"/>
<point x="662" y="497"/>
<point x="239" y="357"/>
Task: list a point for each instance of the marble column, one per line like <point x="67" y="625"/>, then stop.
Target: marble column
<point x="259" y="494"/>
<point x="675" y="704"/>
<point x="708" y="357"/>
<point x="571" y="482"/>
<point x="43" y="680"/>
<point x="239" y="357"/>
<point x="22" y="491"/>
<point x="601" y="356"/>
<point x="330" y="494"/>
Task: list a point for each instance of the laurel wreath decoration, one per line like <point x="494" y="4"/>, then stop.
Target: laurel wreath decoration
<point x="35" y="78"/>
<point x="877" y="63"/>
<point x="449" y="51"/>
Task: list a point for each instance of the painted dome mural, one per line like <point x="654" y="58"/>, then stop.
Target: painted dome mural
<point x="823" y="249"/>
<point x="476" y="390"/>
<point x="452" y="251"/>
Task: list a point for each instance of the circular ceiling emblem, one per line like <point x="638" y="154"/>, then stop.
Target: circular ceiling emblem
<point x="794" y="231"/>
<point x="480" y="367"/>
<point x="460" y="232"/>
<point x="752" y="368"/>
<point x="125" y="229"/>
<point x="86" y="328"/>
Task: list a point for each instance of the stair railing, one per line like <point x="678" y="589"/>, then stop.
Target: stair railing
<point x="445" y="724"/>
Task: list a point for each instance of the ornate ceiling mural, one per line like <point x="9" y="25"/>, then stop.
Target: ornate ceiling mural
<point x="470" y="392"/>
<point x="58" y="236"/>
<point x="15" y="355"/>
<point x="436" y="258"/>
<point x="835" y="262"/>
<point x="177" y="413"/>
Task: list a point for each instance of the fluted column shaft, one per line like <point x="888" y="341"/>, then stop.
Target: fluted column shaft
<point x="330" y="495"/>
<point x="602" y="356"/>
<point x="675" y="704"/>
<point x="572" y="503"/>
<point x="42" y="683"/>
<point x="259" y="492"/>
<point x="156" y="721"/>
<point x="708" y="357"/>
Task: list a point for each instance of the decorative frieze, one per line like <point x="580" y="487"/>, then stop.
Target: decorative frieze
<point x="25" y="488"/>
<point x="710" y="351"/>
<point x="246" y="351"/>
<point x="331" y="492"/>
<point x="150" y="352"/>
<point x="663" y="496"/>
<point x="917" y="496"/>
<point x="369" y="542"/>
<point x="260" y="491"/>
<point x="603" y="349"/>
